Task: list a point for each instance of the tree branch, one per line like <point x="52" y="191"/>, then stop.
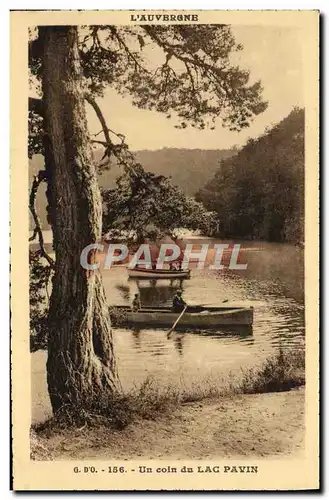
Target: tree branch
<point x="107" y="144"/>
<point x="37" y="230"/>
<point x="175" y="50"/>
<point x="110" y="147"/>
<point x="130" y="55"/>
<point x="101" y="118"/>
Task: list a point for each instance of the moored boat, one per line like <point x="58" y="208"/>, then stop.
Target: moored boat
<point x="194" y="317"/>
<point x="141" y="273"/>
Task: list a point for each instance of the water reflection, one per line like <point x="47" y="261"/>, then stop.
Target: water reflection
<point x="136" y="334"/>
<point x="158" y="292"/>
<point x="178" y="342"/>
<point x="272" y="283"/>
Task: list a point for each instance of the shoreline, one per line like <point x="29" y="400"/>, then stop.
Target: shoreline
<point x="239" y="426"/>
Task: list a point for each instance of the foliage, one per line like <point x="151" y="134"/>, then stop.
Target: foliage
<point x="40" y="275"/>
<point x="259" y="192"/>
<point x="281" y="372"/>
<point x="194" y="77"/>
<point x="117" y="315"/>
<point x="145" y="402"/>
<point x="147" y="203"/>
<point x="195" y="80"/>
<point x="35" y="145"/>
<point x="188" y="169"/>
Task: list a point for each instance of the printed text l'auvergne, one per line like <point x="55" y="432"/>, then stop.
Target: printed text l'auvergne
<point x="169" y="18"/>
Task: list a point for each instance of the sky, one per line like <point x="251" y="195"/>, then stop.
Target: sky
<point x="272" y="54"/>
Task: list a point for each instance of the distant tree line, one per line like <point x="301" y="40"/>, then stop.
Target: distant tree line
<point x="259" y="192"/>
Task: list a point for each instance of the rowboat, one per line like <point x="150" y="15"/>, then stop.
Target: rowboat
<point x="141" y="273"/>
<point x="194" y="317"/>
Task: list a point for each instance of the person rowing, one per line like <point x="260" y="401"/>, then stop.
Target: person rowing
<point x="178" y="303"/>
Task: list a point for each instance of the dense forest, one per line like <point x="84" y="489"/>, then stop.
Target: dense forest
<point x="259" y="192"/>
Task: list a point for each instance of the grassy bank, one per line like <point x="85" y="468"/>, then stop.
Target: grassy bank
<point x="280" y="373"/>
<point x="233" y="427"/>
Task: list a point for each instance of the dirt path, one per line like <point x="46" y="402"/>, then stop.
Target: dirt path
<point x="248" y="425"/>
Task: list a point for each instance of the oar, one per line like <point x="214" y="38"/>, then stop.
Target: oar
<point x="174" y="325"/>
<point x="211" y="303"/>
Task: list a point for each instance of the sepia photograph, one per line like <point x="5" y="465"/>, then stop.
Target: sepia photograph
<point x="166" y="227"/>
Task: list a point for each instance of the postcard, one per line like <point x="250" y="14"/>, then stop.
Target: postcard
<point x="165" y="250"/>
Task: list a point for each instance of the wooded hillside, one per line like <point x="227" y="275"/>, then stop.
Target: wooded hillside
<point x="259" y="192"/>
<point x="189" y="169"/>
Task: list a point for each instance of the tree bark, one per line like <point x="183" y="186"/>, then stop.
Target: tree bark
<point x="81" y="364"/>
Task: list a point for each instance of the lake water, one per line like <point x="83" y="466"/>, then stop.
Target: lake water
<point x="272" y="283"/>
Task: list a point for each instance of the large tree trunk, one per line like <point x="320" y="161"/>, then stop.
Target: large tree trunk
<point x="81" y="364"/>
